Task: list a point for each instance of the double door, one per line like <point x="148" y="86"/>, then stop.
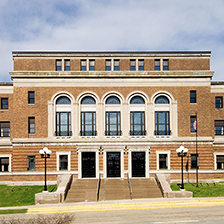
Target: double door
<point x="88" y="164"/>
<point x="138" y="164"/>
<point x="113" y="164"/>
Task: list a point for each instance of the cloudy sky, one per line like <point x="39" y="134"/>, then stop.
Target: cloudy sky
<point x="76" y="25"/>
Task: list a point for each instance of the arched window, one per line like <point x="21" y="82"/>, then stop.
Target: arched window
<point x="88" y="116"/>
<point x="162" y="116"/>
<point x="112" y="100"/>
<point x="137" y="116"/>
<point x="162" y="100"/>
<point x="63" y="116"/>
<point x="113" y="120"/>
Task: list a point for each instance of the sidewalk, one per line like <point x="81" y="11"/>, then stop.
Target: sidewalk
<point x="135" y="204"/>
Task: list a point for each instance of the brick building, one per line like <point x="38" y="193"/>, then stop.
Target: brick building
<point x="111" y="114"/>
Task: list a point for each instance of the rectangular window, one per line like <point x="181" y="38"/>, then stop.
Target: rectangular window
<point x="162" y="161"/>
<point x="31" y="163"/>
<point x="116" y="65"/>
<point x="137" y="123"/>
<point x="220" y="162"/>
<point x="194" y="161"/>
<point x="113" y="124"/>
<point x="4" y="104"/>
<point x="219" y="126"/>
<point x="165" y="64"/>
<point x="63" y="162"/>
<point x="108" y="65"/>
<point x="141" y="65"/>
<point x="63" y="124"/>
<point x="192" y="96"/>
<point x="67" y="65"/>
<point x="4" y="164"/>
<point x="83" y="65"/>
<point x="157" y="64"/>
<point x="162" y="123"/>
<point x="218" y="102"/>
<point x="31" y="97"/>
<point x="132" y="65"/>
<point x="91" y="65"/>
<point x="58" y="65"/>
<point x="88" y="126"/>
<point x="193" y="124"/>
<point x="31" y="125"/>
<point x="5" y="129"/>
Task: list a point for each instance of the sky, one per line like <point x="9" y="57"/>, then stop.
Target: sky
<point x="112" y="25"/>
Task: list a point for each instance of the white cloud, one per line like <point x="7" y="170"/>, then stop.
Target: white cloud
<point x="112" y="25"/>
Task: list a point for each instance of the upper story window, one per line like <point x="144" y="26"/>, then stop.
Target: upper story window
<point x="157" y="64"/>
<point x="91" y="65"/>
<point x="137" y="116"/>
<point x="132" y="64"/>
<point x="192" y="96"/>
<point x="58" y="65"/>
<point x="116" y="65"/>
<point x="141" y="65"/>
<point x="31" y="97"/>
<point x="219" y="127"/>
<point x="4" y="104"/>
<point x="83" y="65"/>
<point x="108" y="65"/>
<point x="88" y="116"/>
<point x="63" y="116"/>
<point x="162" y="116"/>
<point x="5" y="129"/>
<point x="165" y="64"/>
<point x="113" y="120"/>
<point x="218" y="102"/>
<point x="67" y="65"/>
<point x="193" y="124"/>
<point x="31" y="125"/>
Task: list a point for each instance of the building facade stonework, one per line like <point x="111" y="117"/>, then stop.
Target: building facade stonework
<point x="111" y="114"/>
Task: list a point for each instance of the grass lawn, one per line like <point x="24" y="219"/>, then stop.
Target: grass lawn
<point x="203" y="189"/>
<point x="12" y="211"/>
<point x="20" y="195"/>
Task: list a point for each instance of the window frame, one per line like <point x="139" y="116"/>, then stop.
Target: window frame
<point x="2" y="132"/>
<point x="4" y="105"/>
<point x="28" y="163"/>
<point x="9" y="165"/>
<point x="31" y="99"/>
<point x="193" y="96"/>
<point x="31" y="125"/>
<point x="219" y="105"/>
<point x="91" y="65"/>
<point x="67" y="65"/>
<point x="158" y="153"/>
<point x="141" y="67"/>
<point x="167" y="131"/>
<point x="219" y="123"/>
<point x="116" y="67"/>
<point x="194" y="162"/>
<point x="165" y="66"/>
<point x="157" y="67"/>
<point x="83" y="64"/>
<point x="83" y="131"/>
<point x="193" y="118"/>
<point x="132" y="64"/>
<point x="58" y="64"/>
<point x="108" y="131"/>
<point x="59" y="124"/>
<point x="108" y="64"/>
<point x="58" y="154"/>
<point x="133" y="124"/>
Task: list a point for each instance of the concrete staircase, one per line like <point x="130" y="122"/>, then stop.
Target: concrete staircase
<point x="82" y="190"/>
<point x="114" y="189"/>
<point x="145" y="188"/>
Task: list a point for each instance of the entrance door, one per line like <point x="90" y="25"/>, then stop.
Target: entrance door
<point x="138" y="164"/>
<point x="88" y="164"/>
<point x="113" y="164"/>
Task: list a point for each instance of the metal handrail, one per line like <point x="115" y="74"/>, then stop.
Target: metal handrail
<point x="98" y="188"/>
<point x="129" y="184"/>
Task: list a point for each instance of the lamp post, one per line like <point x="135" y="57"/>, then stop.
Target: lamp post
<point x="45" y="153"/>
<point x="182" y="152"/>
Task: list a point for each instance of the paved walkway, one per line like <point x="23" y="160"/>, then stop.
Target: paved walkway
<point x="137" y="204"/>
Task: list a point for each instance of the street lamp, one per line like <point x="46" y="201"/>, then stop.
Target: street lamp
<point x="182" y="152"/>
<point x="45" y="153"/>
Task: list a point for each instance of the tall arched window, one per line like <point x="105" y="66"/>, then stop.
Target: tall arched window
<point x="137" y="116"/>
<point x="88" y="116"/>
<point x="113" y="120"/>
<point x="63" y="116"/>
<point x="162" y="116"/>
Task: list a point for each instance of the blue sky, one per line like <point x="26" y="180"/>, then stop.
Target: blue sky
<point x="152" y="25"/>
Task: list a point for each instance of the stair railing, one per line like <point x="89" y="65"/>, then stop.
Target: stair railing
<point x="129" y="184"/>
<point x="98" y="188"/>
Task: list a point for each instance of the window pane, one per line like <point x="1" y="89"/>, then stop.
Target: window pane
<point x="192" y="96"/>
<point x="67" y="65"/>
<point x="4" y="164"/>
<point x="4" y="103"/>
<point x="218" y="102"/>
<point x="112" y="100"/>
<point x="161" y="100"/>
<point x="113" y="123"/>
<point x="162" y="123"/>
<point x="63" y="100"/>
<point x="31" y="99"/>
<point x="31" y="163"/>
<point x="162" y="161"/>
<point x="88" y="100"/>
<point x="63" y="162"/>
<point x="193" y="123"/>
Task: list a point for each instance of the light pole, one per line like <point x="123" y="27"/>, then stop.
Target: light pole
<point x="182" y="152"/>
<point x="45" y="153"/>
